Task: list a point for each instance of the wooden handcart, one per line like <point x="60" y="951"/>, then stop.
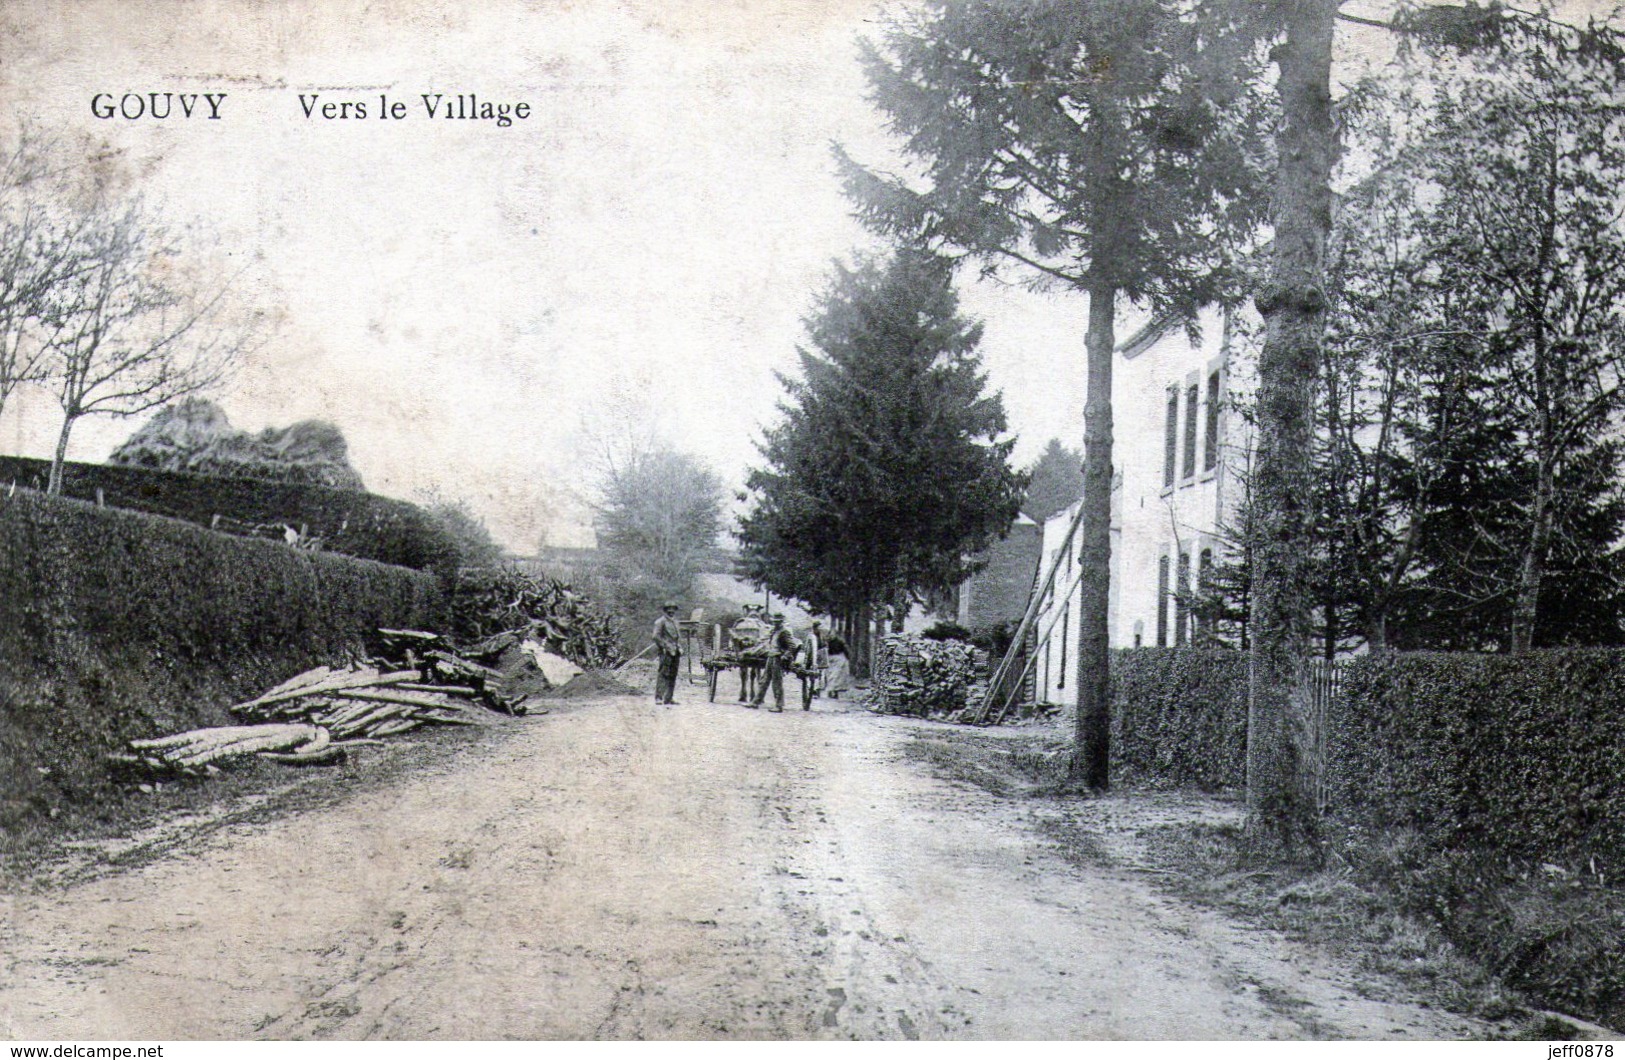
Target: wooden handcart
<point x="753" y="669"/>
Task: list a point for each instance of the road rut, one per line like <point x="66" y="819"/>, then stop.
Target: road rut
<point x="621" y="870"/>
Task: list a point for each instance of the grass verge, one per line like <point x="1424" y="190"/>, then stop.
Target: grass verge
<point x="1495" y="941"/>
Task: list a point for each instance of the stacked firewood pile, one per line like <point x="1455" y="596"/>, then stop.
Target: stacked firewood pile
<point x="413" y="679"/>
<point x="490" y="602"/>
<point x="929" y="678"/>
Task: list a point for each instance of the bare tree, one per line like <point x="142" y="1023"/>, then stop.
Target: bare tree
<point x="658" y="517"/>
<point x="36" y="254"/>
<point x="125" y="330"/>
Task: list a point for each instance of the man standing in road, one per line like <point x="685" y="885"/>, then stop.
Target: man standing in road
<point x="668" y="642"/>
<point x="781" y="654"/>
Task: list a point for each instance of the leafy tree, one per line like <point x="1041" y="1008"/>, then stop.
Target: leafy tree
<point x="887" y="470"/>
<point x="195" y="435"/>
<point x="1104" y="146"/>
<point x="1282" y="821"/>
<point x="658" y="515"/>
<point x="1055" y="481"/>
<point x="1529" y="171"/>
<point x="467" y="531"/>
<point x="1472" y="358"/>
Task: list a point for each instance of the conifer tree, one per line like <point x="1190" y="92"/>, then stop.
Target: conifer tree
<point x="1282" y="821"/>
<point x="1108" y="147"/>
<point x="889" y="468"/>
<point x="1056" y="481"/>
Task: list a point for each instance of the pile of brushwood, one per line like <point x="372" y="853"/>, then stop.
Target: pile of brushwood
<point x="491" y="601"/>
<point x="411" y="679"/>
<point x="927" y="678"/>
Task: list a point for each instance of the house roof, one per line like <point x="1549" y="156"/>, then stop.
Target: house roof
<point x="1141" y="340"/>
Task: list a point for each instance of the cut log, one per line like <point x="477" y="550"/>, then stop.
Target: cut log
<point x="338" y="681"/>
<point x="407" y="699"/>
<point x="450" y="690"/>
<point x="445" y="718"/>
<point x="460" y="667"/>
<point x="327" y="756"/>
<point x="309" y="677"/>
<point x="395" y="726"/>
<point x="201" y="746"/>
<point x="367" y="721"/>
<point x="411" y="635"/>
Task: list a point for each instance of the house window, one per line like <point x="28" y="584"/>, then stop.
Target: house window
<point x="1181" y="601"/>
<point x="1162" y="602"/>
<point x="1060" y="680"/>
<point x="1191" y="396"/>
<point x="1204" y="579"/>
<point x="1210" y="455"/>
<point x="1170" y="445"/>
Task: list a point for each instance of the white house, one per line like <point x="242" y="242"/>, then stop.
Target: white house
<point x="1176" y="455"/>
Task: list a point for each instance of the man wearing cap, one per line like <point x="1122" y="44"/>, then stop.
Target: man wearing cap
<point x="668" y="638"/>
<point x="781" y="653"/>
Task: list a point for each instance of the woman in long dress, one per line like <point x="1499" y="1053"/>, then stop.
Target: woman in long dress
<point x="838" y="678"/>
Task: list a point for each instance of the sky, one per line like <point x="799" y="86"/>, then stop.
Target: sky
<point x="468" y="302"/>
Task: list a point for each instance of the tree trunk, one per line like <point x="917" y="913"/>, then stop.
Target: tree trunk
<point x="1092" y="755"/>
<point x="1377" y="638"/>
<point x="1282" y="822"/>
<point x="54" y="485"/>
<point x="1533" y="566"/>
<point x="863" y="640"/>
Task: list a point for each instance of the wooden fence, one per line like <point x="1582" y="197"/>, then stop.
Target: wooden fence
<point x="1325" y="684"/>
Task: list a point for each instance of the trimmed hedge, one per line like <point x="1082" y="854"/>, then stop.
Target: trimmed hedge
<point x="1519" y="755"/>
<point x="347" y="521"/>
<point x="116" y="625"/>
<point x="1482" y="793"/>
<point x="1179" y="717"/>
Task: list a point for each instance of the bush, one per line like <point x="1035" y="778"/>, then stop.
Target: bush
<point x="945" y="630"/>
<point x="1554" y="935"/>
<point x="1522" y="756"/>
<point x="1484" y="794"/>
<point x="347" y="521"/>
<point x="1179" y="717"/>
<point x="116" y="625"/>
<point x="995" y="639"/>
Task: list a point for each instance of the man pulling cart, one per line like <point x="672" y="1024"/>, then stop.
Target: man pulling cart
<point x="763" y="654"/>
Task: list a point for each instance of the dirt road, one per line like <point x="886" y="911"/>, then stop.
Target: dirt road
<point x="620" y="870"/>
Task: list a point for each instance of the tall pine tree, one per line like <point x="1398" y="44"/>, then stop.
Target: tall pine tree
<point x="1108" y="147"/>
<point x="890" y="467"/>
<point x="1056" y="483"/>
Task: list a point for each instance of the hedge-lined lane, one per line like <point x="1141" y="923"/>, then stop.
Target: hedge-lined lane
<point x="117" y="625"/>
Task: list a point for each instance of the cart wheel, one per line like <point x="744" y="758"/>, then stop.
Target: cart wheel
<point x="714" y="685"/>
